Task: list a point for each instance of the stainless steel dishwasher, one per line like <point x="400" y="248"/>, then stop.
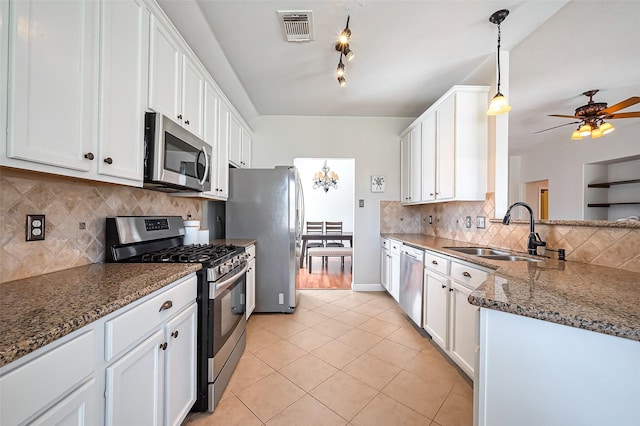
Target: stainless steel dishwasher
<point x="411" y="282"/>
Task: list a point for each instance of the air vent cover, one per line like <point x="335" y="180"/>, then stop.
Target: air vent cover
<point x="296" y="24"/>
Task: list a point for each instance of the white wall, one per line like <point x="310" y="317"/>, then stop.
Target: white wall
<point x="561" y="162"/>
<point x="372" y="142"/>
<point x="335" y="205"/>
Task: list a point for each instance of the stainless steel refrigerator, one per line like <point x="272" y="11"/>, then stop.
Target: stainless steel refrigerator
<point x="268" y="205"/>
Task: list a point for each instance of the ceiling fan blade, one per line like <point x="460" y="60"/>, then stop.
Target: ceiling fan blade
<point x="555" y="127"/>
<point x="621" y="105"/>
<point x="564" y="116"/>
<point x="624" y="115"/>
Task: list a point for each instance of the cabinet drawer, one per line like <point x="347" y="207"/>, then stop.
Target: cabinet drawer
<point x="471" y="277"/>
<point x="251" y="251"/>
<point x="137" y="322"/>
<point x="396" y="246"/>
<point x="436" y="263"/>
<point x="33" y="386"/>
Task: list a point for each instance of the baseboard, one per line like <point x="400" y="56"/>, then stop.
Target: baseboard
<point x="367" y="287"/>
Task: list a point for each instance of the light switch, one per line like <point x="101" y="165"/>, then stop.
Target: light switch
<point x="361" y="203"/>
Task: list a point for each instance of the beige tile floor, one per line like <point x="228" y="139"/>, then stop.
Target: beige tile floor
<point x="342" y="358"/>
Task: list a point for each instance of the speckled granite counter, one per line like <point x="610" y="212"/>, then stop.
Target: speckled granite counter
<point x="36" y="311"/>
<point x="595" y="298"/>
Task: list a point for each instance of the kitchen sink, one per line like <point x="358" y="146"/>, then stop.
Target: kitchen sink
<point x="509" y="257"/>
<point x="479" y="251"/>
<point x="494" y="254"/>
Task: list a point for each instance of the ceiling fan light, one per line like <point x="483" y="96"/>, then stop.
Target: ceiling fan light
<point x="585" y="130"/>
<point x="499" y="105"/>
<point x="596" y="133"/>
<point x="606" y="128"/>
<point x="576" y="136"/>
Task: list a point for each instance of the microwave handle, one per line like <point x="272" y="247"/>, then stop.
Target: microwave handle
<point x="206" y="166"/>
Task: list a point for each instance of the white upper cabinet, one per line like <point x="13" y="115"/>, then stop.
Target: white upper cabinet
<point x="452" y="149"/>
<point x="165" y="72"/>
<point x="246" y="149"/>
<point x="222" y="178"/>
<point x="239" y="143"/>
<point x="53" y="80"/>
<point x="176" y="86"/>
<point x="123" y="88"/>
<point x="192" y="99"/>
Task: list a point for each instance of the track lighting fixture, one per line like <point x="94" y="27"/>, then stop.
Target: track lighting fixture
<point x="342" y="46"/>
<point x="499" y="104"/>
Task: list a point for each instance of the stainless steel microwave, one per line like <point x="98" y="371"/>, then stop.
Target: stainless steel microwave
<point x="175" y="160"/>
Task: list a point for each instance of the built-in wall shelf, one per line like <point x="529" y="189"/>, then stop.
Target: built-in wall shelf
<point x="610" y="204"/>
<point x="608" y="184"/>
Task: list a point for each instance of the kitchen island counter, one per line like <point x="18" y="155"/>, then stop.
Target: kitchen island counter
<point x="39" y="310"/>
<point x="590" y="297"/>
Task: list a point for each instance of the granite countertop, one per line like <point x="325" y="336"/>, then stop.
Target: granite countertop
<point x="241" y="243"/>
<point x="591" y="297"/>
<point x="36" y="311"/>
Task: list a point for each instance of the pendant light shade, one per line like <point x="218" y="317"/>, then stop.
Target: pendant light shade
<point x="606" y="128"/>
<point x="575" y="136"/>
<point x="585" y="130"/>
<point x="499" y="104"/>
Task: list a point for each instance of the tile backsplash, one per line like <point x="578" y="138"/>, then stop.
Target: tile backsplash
<point x="605" y="246"/>
<point x="67" y="203"/>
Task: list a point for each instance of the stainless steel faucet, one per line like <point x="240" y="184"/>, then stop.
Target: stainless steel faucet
<point x="534" y="238"/>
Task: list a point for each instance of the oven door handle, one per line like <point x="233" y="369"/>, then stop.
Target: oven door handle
<point x="229" y="281"/>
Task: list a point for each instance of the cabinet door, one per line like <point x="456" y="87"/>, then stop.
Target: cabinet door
<point x="210" y="132"/>
<point x="53" y="84"/>
<point x="415" y="158"/>
<point x="180" y="366"/>
<point x="123" y="88"/>
<point x="395" y="275"/>
<point x="235" y="141"/>
<point x="223" y="149"/>
<point x="436" y="308"/>
<point x="251" y="287"/>
<point x="165" y="72"/>
<point x="78" y="409"/>
<point x="246" y="149"/>
<point x="192" y="98"/>
<point x="429" y="157"/>
<point x="463" y="328"/>
<point x="385" y="261"/>
<point x="445" y="150"/>
<point x="134" y="385"/>
<point x="405" y="169"/>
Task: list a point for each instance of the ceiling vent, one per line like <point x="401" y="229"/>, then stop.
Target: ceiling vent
<point x="296" y="24"/>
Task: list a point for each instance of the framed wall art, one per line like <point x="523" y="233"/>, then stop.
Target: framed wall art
<point x="377" y="183"/>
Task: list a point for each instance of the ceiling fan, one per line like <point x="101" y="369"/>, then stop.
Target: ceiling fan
<point x="591" y="117"/>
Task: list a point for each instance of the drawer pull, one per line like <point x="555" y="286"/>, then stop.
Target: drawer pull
<point x="166" y="305"/>
<point x="450" y="289"/>
<point x="175" y="334"/>
<point x="466" y="274"/>
<point x="163" y="346"/>
<point x="444" y="286"/>
<point x="434" y="262"/>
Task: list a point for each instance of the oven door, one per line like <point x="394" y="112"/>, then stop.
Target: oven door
<point x="227" y="318"/>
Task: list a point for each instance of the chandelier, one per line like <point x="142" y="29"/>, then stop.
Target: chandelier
<point x="325" y="179"/>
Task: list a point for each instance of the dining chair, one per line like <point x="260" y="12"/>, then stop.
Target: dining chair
<point x="333" y="228"/>
<point x="315" y="228"/>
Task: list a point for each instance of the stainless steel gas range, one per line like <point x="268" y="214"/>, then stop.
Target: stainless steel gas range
<point x="221" y="291"/>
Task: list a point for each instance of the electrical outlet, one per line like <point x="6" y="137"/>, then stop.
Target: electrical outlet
<point x="480" y="222"/>
<point x="468" y="221"/>
<point x="35" y="227"/>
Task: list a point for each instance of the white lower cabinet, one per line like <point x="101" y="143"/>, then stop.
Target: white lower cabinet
<point x="385" y="263"/>
<point x="113" y="371"/>
<point x="251" y="280"/>
<point x="394" y="273"/>
<point x="134" y="385"/>
<point x="449" y="318"/>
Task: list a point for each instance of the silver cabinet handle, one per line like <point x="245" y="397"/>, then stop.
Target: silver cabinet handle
<point x="466" y="274"/>
<point x="166" y="305"/>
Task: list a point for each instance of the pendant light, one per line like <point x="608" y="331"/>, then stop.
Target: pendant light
<point x="499" y="104"/>
<point x="342" y="46"/>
